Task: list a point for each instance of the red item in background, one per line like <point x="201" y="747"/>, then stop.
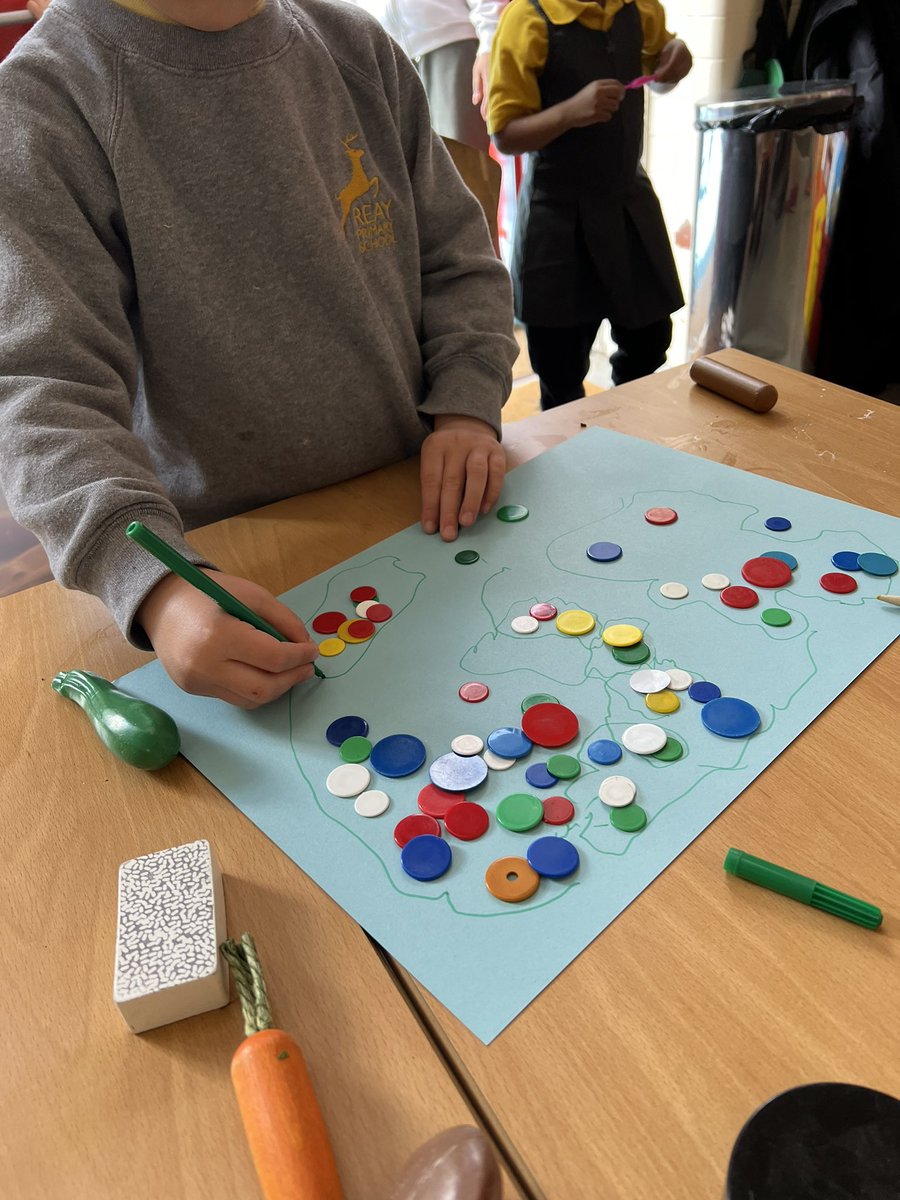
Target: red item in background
<point x="10" y="34"/>
<point x="511" y="168"/>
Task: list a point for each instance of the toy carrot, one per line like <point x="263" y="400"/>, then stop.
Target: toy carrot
<point x="282" y="1121"/>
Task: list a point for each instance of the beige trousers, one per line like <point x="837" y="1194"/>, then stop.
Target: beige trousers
<point x="481" y="174"/>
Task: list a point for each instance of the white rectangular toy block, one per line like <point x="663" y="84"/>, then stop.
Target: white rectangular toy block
<point x="170" y="926"/>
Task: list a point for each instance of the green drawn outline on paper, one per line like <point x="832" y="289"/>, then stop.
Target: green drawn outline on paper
<point x="582" y="827"/>
<point x="444" y="895"/>
<point x="394" y="561"/>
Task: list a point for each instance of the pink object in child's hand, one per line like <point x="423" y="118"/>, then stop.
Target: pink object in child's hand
<point x="639" y="82"/>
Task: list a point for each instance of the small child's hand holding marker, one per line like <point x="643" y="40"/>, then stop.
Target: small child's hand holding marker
<point x="209" y="653"/>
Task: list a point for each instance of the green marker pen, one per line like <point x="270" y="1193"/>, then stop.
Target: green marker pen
<point x="186" y="570"/>
<point x="799" y="887"/>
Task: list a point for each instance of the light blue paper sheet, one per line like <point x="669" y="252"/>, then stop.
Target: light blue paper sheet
<point x="486" y="960"/>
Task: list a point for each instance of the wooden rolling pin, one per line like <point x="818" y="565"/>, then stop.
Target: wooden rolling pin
<point x="733" y="385"/>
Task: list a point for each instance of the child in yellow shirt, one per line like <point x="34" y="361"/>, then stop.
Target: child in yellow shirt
<point x="590" y="239"/>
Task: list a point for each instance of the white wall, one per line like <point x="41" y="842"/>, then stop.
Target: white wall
<point x="717" y="32"/>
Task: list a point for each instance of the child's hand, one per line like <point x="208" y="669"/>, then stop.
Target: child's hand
<point x="674" y="62"/>
<point x="595" y="104"/>
<point x="481" y="73"/>
<point x="462" y="469"/>
<point x="209" y="653"/>
<point x="37" y="8"/>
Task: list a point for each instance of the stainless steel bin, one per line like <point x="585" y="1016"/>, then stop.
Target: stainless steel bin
<point x="771" y="162"/>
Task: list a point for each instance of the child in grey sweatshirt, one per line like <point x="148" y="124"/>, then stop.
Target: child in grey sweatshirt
<point x="235" y="265"/>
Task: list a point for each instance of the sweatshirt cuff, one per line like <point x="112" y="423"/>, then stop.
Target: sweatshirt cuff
<point x="468" y="389"/>
<point x="121" y="573"/>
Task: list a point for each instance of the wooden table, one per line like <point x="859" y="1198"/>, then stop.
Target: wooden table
<point x="629" y="1077"/>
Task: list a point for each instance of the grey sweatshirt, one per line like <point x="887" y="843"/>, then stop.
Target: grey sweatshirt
<point x="233" y="267"/>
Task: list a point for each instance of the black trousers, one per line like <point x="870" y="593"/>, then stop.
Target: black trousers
<point x="561" y="357"/>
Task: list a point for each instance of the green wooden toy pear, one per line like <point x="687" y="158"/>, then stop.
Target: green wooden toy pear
<point x="136" y="731"/>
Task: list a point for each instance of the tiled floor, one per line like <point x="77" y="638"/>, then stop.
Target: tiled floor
<point x="24" y="564"/>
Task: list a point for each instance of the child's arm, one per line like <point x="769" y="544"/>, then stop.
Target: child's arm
<point x="593" y="105"/>
<point x="485" y="15"/>
<point x="516" y="118"/>
<point x="73" y="469"/>
<point x="674" y="62"/>
<point x="465" y="327"/>
<point x="664" y="55"/>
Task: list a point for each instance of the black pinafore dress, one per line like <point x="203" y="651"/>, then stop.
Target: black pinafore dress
<point x="590" y="241"/>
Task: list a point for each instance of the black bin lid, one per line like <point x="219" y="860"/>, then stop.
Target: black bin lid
<point x="823" y="1141"/>
<point x="824" y="103"/>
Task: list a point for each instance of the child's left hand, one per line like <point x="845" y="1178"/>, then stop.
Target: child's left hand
<point x="481" y="73"/>
<point x="674" y="62"/>
<point x="462" y="469"/>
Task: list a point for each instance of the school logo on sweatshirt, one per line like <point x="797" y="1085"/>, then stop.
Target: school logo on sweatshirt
<point x="369" y="217"/>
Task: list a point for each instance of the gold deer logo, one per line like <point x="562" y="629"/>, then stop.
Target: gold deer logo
<point x="360" y="183"/>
